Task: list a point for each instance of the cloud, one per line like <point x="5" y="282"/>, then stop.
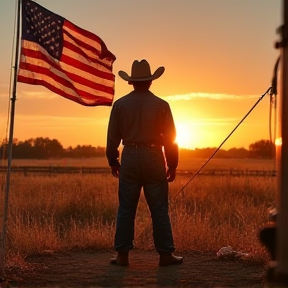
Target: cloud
<point x="215" y="96"/>
<point x="29" y="94"/>
<point x="54" y="121"/>
<point x="213" y="121"/>
<point x="38" y="95"/>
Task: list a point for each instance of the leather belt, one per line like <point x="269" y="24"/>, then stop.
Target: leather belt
<point x="143" y="145"/>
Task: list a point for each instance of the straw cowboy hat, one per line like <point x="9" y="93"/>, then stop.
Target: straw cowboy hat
<point x="141" y="71"/>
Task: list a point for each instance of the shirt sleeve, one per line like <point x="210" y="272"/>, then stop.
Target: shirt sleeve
<point x="113" y="139"/>
<point x="169" y="136"/>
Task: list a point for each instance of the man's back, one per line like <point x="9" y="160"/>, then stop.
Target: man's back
<point x="143" y="117"/>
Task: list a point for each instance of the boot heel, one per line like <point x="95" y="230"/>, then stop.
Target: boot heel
<point x="122" y="259"/>
<point x="170" y="259"/>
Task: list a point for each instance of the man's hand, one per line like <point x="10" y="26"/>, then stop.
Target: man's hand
<point x="171" y="174"/>
<point x="115" y="170"/>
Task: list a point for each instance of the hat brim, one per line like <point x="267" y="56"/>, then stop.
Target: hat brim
<point x="154" y="76"/>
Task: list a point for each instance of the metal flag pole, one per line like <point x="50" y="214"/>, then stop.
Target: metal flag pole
<point x="281" y="269"/>
<point x="10" y="145"/>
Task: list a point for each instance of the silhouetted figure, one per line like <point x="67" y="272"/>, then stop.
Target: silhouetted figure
<point x="144" y="124"/>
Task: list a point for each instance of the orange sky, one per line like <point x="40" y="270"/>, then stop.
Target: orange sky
<point x="218" y="55"/>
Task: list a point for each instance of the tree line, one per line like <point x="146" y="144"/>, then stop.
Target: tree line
<point x="46" y="148"/>
<point x="263" y="149"/>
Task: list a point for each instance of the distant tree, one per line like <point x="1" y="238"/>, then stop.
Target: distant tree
<point x="54" y="149"/>
<point x="238" y="153"/>
<point x="262" y="149"/>
<point x="209" y="151"/>
<point x="100" y="151"/>
<point x="37" y="148"/>
<point x="3" y="148"/>
<point x="85" y="151"/>
<point x="45" y="148"/>
<point x="23" y="150"/>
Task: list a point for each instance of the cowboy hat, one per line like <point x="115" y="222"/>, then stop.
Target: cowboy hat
<point x="141" y="71"/>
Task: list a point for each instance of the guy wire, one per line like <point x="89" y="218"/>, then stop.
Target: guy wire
<point x="273" y="91"/>
<point x="199" y="170"/>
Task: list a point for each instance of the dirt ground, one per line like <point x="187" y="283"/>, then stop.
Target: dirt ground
<point x="92" y="269"/>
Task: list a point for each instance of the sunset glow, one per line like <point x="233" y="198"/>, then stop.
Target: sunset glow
<point x="208" y="87"/>
<point x="184" y="136"/>
<point x="278" y="142"/>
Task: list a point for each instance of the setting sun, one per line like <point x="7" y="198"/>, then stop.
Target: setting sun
<point x="184" y="136"/>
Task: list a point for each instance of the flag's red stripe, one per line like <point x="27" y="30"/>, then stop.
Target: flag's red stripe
<point x="38" y="55"/>
<point x="96" y="101"/>
<point x="76" y="63"/>
<point x="104" y="51"/>
<point x="90" y="69"/>
<point x="34" y="81"/>
<point x="81" y="31"/>
<point x="62" y="82"/>
<point x="83" y="44"/>
<point x="79" y="51"/>
<point x="83" y="81"/>
<point x="47" y="72"/>
<point x="91" y="84"/>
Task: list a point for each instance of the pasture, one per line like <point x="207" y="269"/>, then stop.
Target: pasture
<point x="184" y="164"/>
<point x="65" y="212"/>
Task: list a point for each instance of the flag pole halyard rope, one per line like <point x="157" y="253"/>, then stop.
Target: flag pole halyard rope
<point x="10" y="144"/>
<point x="4" y="141"/>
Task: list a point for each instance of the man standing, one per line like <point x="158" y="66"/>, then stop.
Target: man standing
<point x="145" y="125"/>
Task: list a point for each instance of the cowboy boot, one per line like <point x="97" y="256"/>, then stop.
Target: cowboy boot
<point x="122" y="258"/>
<point x="167" y="259"/>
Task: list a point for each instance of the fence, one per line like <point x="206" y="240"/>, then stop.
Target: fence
<point x="52" y="170"/>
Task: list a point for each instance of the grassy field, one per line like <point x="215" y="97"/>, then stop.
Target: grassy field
<point x="184" y="164"/>
<point x="78" y="211"/>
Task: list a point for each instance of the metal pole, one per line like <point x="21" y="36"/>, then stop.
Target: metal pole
<point x="10" y="145"/>
<point x="281" y="270"/>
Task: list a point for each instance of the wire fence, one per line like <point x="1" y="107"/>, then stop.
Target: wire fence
<point x="54" y="170"/>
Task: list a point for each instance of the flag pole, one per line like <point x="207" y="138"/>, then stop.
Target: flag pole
<point x="10" y="145"/>
<point x="281" y="269"/>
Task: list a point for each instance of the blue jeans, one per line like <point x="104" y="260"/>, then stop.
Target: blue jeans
<point x="143" y="168"/>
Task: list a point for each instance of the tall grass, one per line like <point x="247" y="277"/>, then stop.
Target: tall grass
<point x="66" y="212"/>
<point x="185" y="163"/>
<point x="222" y="211"/>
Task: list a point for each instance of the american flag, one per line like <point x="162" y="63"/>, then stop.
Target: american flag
<point x="64" y="58"/>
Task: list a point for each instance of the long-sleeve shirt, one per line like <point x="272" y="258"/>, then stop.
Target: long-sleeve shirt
<point x="141" y="117"/>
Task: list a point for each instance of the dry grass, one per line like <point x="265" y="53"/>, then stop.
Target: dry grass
<point x="184" y="163"/>
<point x="78" y="211"/>
<point x="216" y="212"/>
<point x="64" y="162"/>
